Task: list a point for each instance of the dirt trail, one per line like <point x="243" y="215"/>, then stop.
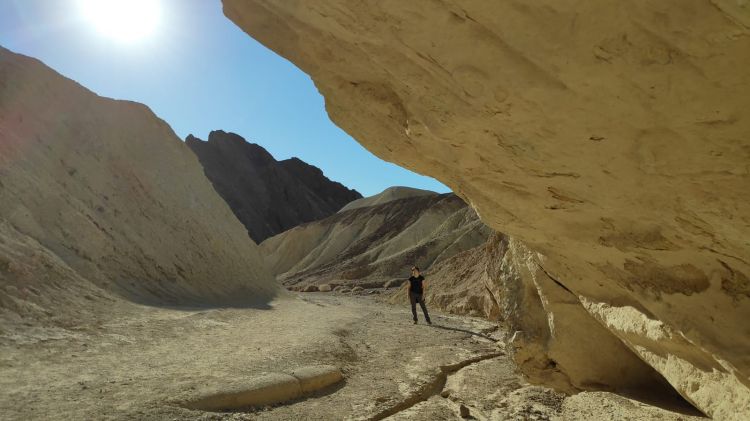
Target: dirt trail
<point x="145" y="364"/>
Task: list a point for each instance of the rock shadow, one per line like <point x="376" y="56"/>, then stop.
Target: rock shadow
<point x="457" y="329"/>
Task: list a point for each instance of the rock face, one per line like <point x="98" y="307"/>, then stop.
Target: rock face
<point x="460" y="284"/>
<point x="266" y="195"/>
<point x="100" y="201"/>
<point x="610" y="137"/>
<point x="371" y="245"/>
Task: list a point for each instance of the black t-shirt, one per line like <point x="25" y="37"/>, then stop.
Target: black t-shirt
<point x="415" y="284"/>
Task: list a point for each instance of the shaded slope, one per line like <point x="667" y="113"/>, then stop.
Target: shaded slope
<point x="266" y="195"/>
<point x="99" y="200"/>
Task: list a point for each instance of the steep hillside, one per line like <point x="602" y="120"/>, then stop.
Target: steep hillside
<point x="100" y="202"/>
<point x="375" y="243"/>
<point x="610" y="137"/>
<point x="266" y="195"/>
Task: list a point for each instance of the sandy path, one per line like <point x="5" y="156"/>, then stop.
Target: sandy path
<point x="142" y="365"/>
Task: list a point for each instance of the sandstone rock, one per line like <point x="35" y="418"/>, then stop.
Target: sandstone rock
<point x="266" y="389"/>
<point x="309" y="288"/>
<point x="314" y="378"/>
<point x="357" y="290"/>
<point x="464" y="411"/>
<point x="100" y="196"/>
<point x="370" y="244"/>
<point x="609" y="137"/>
<point x="266" y="195"/>
<point x="325" y="288"/>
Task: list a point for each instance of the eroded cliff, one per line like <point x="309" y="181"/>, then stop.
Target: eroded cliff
<point x="610" y="137"/>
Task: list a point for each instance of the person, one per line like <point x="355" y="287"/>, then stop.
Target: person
<point x="416" y="294"/>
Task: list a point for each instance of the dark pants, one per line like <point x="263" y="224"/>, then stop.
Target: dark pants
<point x="415" y="298"/>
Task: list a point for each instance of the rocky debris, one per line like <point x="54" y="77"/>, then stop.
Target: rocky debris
<point x="369" y="246"/>
<point x="266" y="195"/>
<point x="464" y="411"/>
<point x="309" y="288"/>
<point x="100" y="202"/>
<point x="611" y="139"/>
<point x="325" y="288"/>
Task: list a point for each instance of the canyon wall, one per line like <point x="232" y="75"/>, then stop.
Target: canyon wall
<point x="611" y="138"/>
<point x="101" y="203"/>
<point x="266" y="195"/>
<point x="372" y="245"/>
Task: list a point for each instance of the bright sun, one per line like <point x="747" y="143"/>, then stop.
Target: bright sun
<point x="122" y="20"/>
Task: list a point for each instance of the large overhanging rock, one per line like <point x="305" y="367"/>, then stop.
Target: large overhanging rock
<point x="611" y="137"/>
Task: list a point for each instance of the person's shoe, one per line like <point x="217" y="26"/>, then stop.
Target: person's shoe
<point x="415" y="322"/>
<point x="429" y="322"/>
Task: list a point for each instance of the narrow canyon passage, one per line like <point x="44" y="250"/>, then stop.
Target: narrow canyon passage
<point x="147" y="363"/>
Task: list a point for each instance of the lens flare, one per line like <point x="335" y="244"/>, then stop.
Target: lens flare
<point x="125" y="21"/>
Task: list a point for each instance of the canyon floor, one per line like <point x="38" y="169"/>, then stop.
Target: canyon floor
<point x="140" y="365"/>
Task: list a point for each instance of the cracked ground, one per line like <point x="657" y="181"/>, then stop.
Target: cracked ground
<point x="140" y="366"/>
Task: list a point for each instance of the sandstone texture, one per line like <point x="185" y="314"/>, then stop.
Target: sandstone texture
<point x="100" y="202"/>
<point x="608" y="139"/>
<point x="266" y="389"/>
<point x="371" y="245"/>
<point x="266" y="195"/>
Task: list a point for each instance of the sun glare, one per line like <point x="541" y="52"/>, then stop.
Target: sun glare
<point x="126" y="21"/>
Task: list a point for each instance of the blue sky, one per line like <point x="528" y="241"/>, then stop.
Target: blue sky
<point x="199" y="72"/>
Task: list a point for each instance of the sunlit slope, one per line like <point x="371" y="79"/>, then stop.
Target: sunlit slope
<point x="99" y="198"/>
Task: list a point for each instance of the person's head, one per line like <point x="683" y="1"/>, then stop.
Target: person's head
<point x="415" y="271"/>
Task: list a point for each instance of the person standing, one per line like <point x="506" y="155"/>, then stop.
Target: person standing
<point x="416" y="294"/>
